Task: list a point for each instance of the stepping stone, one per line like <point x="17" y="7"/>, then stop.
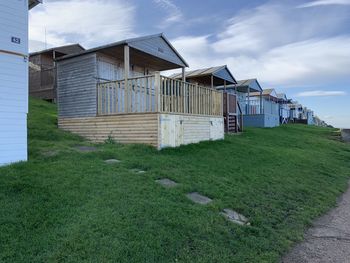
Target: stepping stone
<point x="235" y="217"/>
<point x="49" y="153"/>
<point x="138" y="171"/>
<point x="198" y="198"/>
<point x="86" y="148"/>
<point x="112" y="161"/>
<point x="167" y="183"/>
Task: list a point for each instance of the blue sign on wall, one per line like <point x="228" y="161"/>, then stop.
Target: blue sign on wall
<point x="16" y="40"/>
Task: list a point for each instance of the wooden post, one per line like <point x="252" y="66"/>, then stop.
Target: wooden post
<point x="157" y="87"/>
<point x="183" y="75"/>
<point x="261" y="102"/>
<point x="248" y="111"/>
<point x="212" y="81"/>
<point x="126" y="76"/>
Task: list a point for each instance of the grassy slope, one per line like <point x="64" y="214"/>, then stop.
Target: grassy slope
<point x="73" y="207"/>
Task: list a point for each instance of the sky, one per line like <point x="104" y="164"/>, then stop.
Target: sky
<point x="298" y="47"/>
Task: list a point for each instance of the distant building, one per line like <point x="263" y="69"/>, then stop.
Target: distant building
<point x="42" y="70"/>
<point x="284" y="109"/>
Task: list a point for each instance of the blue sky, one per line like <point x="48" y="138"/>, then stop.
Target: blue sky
<point x="298" y="47"/>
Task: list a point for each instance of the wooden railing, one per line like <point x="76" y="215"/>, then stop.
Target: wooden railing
<point x="138" y="95"/>
<point x="157" y="93"/>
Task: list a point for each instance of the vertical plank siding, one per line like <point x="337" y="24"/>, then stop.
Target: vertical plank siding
<point x="180" y="129"/>
<point x="76" y="81"/>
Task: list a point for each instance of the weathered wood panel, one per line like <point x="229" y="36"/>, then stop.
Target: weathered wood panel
<point x="76" y="86"/>
<point x="128" y="128"/>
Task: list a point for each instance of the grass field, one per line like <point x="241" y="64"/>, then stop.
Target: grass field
<point x="68" y="206"/>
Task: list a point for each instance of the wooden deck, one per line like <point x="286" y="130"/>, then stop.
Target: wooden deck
<point x="153" y="110"/>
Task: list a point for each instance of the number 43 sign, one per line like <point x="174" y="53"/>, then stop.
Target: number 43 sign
<point x="16" y="40"/>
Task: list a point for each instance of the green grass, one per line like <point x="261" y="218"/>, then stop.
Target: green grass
<point x="73" y="207"/>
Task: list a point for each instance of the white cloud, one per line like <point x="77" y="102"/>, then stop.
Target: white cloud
<point x="325" y="2"/>
<point x="254" y="31"/>
<point x="173" y="12"/>
<point x="311" y="62"/>
<point x="320" y="93"/>
<point x="89" y="22"/>
<point x="276" y="44"/>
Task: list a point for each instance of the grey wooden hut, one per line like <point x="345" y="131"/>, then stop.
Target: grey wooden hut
<point x="116" y="91"/>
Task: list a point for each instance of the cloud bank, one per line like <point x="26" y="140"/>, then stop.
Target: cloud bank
<point x="324" y="3"/>
<point x="320" y="93"/>
<point x="276" y="44"/>
<point x="89" y="22"/>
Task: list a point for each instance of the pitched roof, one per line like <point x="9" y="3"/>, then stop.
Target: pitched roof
<point x="221" y="72"/>
<point x="253" y="84"/>
<point x="33" y="3"/>
<point x="282" y="96"/>
<point x="67" y="49"/>
<point x="132" y="42"/>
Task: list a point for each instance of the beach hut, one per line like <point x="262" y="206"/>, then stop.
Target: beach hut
<point x="218" y="78"/>
<point x="14" y="79"/>
<point x="116" y="92"/>
<point x="259" y="107"/>
<point x="42" y="70"/>
<point x="270" y="110"/>
<point x="284" y="109"/>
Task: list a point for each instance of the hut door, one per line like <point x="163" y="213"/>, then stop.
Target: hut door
<point x="230" y="112"/>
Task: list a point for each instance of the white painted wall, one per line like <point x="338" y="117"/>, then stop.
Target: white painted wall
<point x="13" y="81"/>
<point x="176" y="129"/>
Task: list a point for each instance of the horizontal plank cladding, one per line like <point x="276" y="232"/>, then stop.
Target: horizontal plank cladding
<point x="130" y="128"/>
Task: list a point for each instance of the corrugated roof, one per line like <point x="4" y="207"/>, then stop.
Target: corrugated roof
<point x="253" y="84"/>
<point x="245" y="82"/>
<point x="205" y="72"/>
<point x="126" y="42"/>
<point x="78" y="46"/>
<point x="266" y="92"/>
<point x="198" y="72"/>
<point x="282" y="96"/>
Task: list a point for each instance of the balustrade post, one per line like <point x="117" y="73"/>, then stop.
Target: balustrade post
<point x="157" y="87"/>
